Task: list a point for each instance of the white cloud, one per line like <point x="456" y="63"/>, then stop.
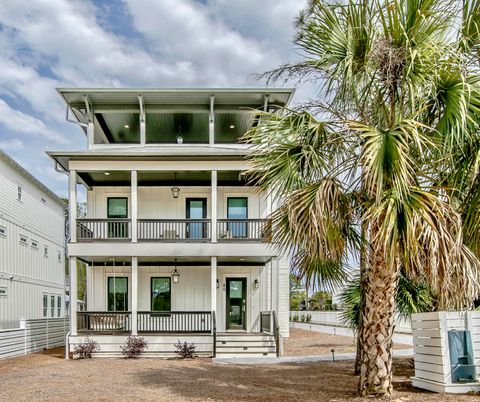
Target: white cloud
<point x="19" y="122"/>
<point x="13" y="144"/>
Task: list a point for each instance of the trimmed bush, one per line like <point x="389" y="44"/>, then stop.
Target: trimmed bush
<point x="85" y="349"/>
<point x="134" y="346"/>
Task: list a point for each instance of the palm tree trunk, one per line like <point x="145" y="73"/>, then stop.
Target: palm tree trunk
<point x="363" y="272"/>
<point x="378" y="322"/>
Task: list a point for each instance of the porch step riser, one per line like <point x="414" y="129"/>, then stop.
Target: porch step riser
<point x="245" y="338"/>
<point x="241" y="355"/>
<point x="248" y="344"/>
<point x="251" y="349"/>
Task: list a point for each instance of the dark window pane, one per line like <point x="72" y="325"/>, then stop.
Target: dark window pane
<point x="117" y="207"/>
<point x="117" y="294"/>
<point x="161" y="294"/>
<point x="237" y="208"/>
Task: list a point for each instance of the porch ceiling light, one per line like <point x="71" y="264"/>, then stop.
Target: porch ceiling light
<point x="126" y="126"/>
<point x="106" y="173"/>
<point x="256" y="283"/>
<point x="175" y="275"/>
<point x="175" y="189"/>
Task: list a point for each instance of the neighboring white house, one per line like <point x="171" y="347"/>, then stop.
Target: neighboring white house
<point x="178" y="244"/>
<point x="32" y="239"/>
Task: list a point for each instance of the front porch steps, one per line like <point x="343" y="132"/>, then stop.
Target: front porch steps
<point x="243" y="344"/>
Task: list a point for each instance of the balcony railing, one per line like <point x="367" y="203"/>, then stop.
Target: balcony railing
<point x="174" y="229"/>
<point x="104" y="321"/>
<point x="175" y="321"/>
<point x="103" y="229"/>
<point x="244" y="230"/>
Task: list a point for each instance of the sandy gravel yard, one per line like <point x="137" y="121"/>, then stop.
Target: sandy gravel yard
<point x="311" y="343"/>
<point x="47" y="376"/>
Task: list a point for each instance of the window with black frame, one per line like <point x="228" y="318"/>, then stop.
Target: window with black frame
<point x="117" y="208"/>
<point x="117" y="298"/>
<point x="161" y="294"/>
<point x="237" y="210"/>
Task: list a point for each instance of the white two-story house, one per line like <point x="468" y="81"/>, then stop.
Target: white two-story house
<point x="32" y="247"/>
<point x="177" y="241"/>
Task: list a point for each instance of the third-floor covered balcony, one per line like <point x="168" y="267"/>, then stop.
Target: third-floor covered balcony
<point x="171" y="206"/>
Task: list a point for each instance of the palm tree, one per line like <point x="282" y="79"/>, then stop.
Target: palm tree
<point x="398" y="111"/>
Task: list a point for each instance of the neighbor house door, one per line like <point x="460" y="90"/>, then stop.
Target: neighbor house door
<point x="236" y="303"/>
<point x="196" y="209"/>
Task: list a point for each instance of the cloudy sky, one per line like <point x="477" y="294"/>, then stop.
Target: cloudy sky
<point x="45" y="44"/>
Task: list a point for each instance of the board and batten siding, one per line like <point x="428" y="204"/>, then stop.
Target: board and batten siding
<point x="26" y="272"/>
<point x="191" y="293"/>
<point x="157" y="202"/>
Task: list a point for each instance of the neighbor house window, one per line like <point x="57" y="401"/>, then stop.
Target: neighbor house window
<point x="19" y="193"/>
<point x="59" y="256"/>
<point x="45" y="305"/>
<point x="45" y="251"/>
<point x="3" y="231"/>
<point x="34" y="244"/>
<point x="3" y="291"/>
<point x="117" y="294"/>
<point x="161" y="294"/>
<point x="59" y="306"/>
<point x="52" y="306"/>
<point x="23" y="240"/>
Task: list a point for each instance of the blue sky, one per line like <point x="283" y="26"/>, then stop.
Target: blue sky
<point x="46" y="44"/>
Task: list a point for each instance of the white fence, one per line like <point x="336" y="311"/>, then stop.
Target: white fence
<point x="334" y="318"/>
<point x="433" y="369"/>
<point x="33" y="336"/>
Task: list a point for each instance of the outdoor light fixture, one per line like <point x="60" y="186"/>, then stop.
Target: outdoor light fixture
<point x="179" y="139"/>
<point x="256" y="283"/>
<point x="218" y="284"/>
<point x="175" y="189"/>
<point x="175" y="273"/>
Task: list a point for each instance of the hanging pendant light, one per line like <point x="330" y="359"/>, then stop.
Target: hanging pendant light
<point x="175" y="189"/>
<point x="175" y="273"/>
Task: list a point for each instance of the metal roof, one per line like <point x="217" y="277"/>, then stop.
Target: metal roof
<point x="30" y="177"/>
<point x="178" y="96"/>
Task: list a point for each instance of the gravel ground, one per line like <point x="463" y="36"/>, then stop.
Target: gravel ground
<point x="310" y="343"/>
<point x="47" y="376"/>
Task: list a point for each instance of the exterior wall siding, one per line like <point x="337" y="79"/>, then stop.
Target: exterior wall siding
<point x="25" y="272"/>
<point x="157" y="202"/>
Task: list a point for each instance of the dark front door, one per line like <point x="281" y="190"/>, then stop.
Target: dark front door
<point x="236" y="303"/>
<point x="117" y="208"/>
<point x="196" y="209"/>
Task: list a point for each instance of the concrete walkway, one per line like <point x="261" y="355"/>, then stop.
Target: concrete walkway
<point x="405" y="339"/>
<point x="300" y="359"/>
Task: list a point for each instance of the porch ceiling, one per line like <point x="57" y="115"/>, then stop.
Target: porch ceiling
<point x="186" y="261"/>
<point x="163" y="178"/>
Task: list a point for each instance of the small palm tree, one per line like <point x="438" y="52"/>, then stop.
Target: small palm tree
<point x="392" y="143"/>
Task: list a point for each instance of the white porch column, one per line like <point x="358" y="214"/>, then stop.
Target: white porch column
<point x="214" y="207"/>
<point x="134" y="295"/>
<point x="213" y="277"/>
<point x="90" y="135"/>
<point x="72" y="205"/>
<point x="211" y="125"/>
<point x="73" y="295"/>
<point x="134" y="202"/>
<point x="274" y="284"/>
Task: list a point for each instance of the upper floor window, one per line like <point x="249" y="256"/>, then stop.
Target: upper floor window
<point x="52" y="306"/>
<point x="43" y="200"/>
<point x="23" y="239"/>
<point x="59" y="256"/>
<point x="19" y="193"/>
<point x="3" y="231"/>
<point x="59" y="306"/>
<point x="3" y="291"/>
<point x="45" y="251"/>
<point x="34" y="244"/>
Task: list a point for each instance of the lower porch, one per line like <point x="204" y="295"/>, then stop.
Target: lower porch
<point x="166" y="300"/>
